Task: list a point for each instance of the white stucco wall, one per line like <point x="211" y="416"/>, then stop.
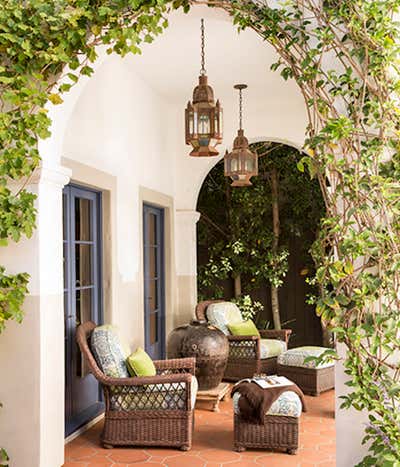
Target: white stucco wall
<point x="125" y="127"/>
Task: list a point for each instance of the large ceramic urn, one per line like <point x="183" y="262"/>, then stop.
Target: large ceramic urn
<point x="208" y="344"/>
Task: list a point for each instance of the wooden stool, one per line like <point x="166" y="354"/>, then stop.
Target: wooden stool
<point x="215" y="395"/>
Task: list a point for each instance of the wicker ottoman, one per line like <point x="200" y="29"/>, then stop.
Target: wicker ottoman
<point x="311" y="379"/>
<point x="279" y="431"/>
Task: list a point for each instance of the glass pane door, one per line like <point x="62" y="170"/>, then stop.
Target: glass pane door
<point x="154" y="281"/>
<point x="82" y="299"/>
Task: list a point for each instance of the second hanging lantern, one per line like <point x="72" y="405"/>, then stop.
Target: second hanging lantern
<point x="241" y="164"/>
<point x="203" y="117"/>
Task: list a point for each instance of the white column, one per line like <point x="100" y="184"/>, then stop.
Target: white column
<point x="186" y="264"/>
<point x="32" y="353"/>
<point x="350" y="424"/>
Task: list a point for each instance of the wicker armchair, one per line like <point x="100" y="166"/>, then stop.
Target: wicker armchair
<point x="244" y="351"/>
<point x="146" y="411"/>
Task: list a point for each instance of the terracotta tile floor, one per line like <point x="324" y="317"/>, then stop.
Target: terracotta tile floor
<point x="212" y="443"/>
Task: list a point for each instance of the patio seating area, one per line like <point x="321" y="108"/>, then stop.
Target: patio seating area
<point x="213" y="443"/>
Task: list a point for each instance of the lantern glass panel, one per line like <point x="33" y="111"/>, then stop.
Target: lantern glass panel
<point x="203" y="140"/>
<point x="204" y="124"/>
<point x="191" y="123"/>
<point x="195" y="118"/>
<point x="242" y="161"/>
<point x="249" y="165"/>
<point x="234" y="165"/>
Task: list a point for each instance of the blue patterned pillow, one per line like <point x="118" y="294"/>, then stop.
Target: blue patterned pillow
<point x="108" y="352"/>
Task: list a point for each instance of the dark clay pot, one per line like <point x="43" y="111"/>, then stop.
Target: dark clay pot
<point x="208" y="344"/>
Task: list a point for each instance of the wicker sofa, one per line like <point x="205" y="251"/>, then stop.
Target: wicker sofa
<point x="146" y="411"/>
<point x="244" y="358"/>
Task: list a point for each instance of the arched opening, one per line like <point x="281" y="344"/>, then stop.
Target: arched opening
<point x="235" y="247"/>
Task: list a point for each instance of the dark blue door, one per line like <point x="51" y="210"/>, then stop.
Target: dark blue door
<point x="154" y="280"/>
<point x="82" y="299"/>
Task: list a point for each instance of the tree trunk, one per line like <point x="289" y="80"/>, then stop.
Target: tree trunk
<point x="327" y="336"/>
<point x="238" y="285"/>
<point x="275" y="243"/>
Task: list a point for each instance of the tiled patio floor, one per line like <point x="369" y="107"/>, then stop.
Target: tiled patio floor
<point x="212" y="444"/>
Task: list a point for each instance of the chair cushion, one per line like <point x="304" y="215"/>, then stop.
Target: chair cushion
<point x="139" y="363"/>
<point x="109" y="352"/>
<point x="296" y="357"/>
<point x="272" y="348"/>
<point x="222" y="313"/>
<point x="245" y="328"/>
<point x="166" y="396"/>
<point x="288" y="404"/>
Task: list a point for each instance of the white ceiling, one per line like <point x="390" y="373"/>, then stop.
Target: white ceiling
<point x="171" y="64"/>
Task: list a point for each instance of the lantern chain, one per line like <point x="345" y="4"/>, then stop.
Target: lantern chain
<point x="240" y="109"/>
<point x="203" y="58"/>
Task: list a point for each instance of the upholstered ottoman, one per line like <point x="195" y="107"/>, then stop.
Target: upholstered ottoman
<point x="312" y="379"/>
<point x="280" y="429"/>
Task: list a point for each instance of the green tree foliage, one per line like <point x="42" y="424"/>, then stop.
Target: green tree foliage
<point x="236" y="223"/>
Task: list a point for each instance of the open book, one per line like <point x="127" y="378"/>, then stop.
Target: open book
<point x="271" y="381"/>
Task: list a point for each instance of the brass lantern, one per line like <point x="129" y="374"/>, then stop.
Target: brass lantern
<point x="203" y="117"/>
<point x="241" y="164"/>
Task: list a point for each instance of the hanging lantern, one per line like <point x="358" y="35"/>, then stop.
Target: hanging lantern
<point x="241" y="164"/>
<point x="203" y="117"/>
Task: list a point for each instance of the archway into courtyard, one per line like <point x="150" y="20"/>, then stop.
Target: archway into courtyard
<point x="235" y="232"/>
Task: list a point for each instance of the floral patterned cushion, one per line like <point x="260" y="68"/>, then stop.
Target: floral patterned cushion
<point x="272" y="348"/>
<point x="109" y="352"/>
<point x="288" y="404"/>
<point x="222" y="313"/>
<point x="166" y="396"/>
<point x="296" y="357"/>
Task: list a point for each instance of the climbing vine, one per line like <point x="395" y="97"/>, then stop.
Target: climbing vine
<point x="343" y="54"/>
<point x="344" y="57"/>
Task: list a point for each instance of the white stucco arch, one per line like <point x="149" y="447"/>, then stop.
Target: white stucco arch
<point x="126" y="122"/>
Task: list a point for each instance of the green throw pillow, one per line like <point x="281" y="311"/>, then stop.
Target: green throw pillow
<point x="140" y="364"/>
<point x="245" y="328"/>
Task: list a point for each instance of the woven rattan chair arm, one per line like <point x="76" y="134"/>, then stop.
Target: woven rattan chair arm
<point x="282" y="334"/>
<point x="176" y="364"/>
<point x="248" y="342"/>
<point x="243" y="338"/>
<point x="177" y="385"/>
<point x="146" y="380"/>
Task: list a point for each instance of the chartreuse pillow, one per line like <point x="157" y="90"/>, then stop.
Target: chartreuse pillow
<point x="245" y="328"/>
<point x="139" y="363"/>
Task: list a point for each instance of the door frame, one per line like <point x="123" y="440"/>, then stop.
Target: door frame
<point x="161" y="232"/>
<point x="96" y="218"/>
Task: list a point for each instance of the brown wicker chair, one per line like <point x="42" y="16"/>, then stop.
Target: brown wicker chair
<point x="244" y="351"/>
<point x="135" y="412"/>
